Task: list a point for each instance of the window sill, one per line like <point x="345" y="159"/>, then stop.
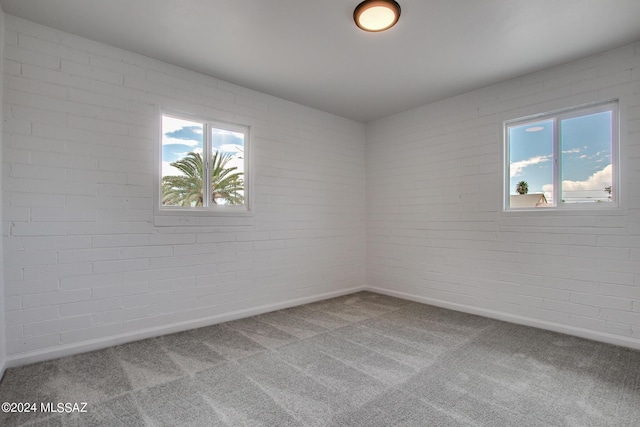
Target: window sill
<point x="578" y="209"/>
<point x="201" y="217"/>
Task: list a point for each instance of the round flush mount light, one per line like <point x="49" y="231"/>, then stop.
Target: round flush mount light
<point x="376" y="15"/>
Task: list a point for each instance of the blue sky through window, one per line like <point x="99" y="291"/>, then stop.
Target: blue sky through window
<point x="181" y="136"/>
<point x="531" y="155"/>
<point x="586" y="159"/>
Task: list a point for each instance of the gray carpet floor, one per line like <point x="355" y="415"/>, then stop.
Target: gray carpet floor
<point x="359" y="360"/>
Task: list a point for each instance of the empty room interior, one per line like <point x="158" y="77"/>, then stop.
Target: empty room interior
<point x="375" y="213"/>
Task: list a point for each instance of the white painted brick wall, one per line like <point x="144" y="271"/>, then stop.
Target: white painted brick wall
<point x="84" y="258"/>
<point x="436" y="229"/>
<point x="85" y="262"/>
<point x="3" y="303"/>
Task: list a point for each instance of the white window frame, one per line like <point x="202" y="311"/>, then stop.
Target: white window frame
<point x="557" y="116"/>
<point x="211" y="209"/>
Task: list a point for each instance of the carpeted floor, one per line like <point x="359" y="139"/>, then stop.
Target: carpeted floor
<point x="360" y="360"/>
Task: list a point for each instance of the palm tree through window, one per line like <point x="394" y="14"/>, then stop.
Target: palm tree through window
<point x="203" y="164"/>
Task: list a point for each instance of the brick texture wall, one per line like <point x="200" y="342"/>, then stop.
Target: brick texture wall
<point x="436" y="231"/>
<point x="3" y="341"/>
<point x="87" y="265"/>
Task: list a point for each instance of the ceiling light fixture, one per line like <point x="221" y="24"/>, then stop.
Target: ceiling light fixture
<point x="376" y="15"/>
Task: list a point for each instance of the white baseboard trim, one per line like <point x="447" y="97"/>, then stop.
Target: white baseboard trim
<point x="97" y="344"/>
<point x="514" y="318"/>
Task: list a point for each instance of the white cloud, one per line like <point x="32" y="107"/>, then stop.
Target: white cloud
<point x="516" y="168"/>
<point x="223" y="132"/>
<point x="590" y="189"/>
<point x="167" y="169"/>
<point x="597" y="181"/>
<point x="190" y="142"/>
<point x="232" y="148"/>
<point x="573" y="150"/>
<point x="236" y="162"/>
<point x="172" y="124"/>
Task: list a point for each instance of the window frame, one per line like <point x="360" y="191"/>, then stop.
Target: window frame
<point x="557" y="116"/>
<point x="212" y="209"/>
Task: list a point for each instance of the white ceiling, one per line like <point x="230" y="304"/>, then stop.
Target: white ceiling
<point x="312" y="53"/>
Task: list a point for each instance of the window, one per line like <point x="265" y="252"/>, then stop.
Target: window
<point x="563" y="160"/>
<point x="204" y="165"/>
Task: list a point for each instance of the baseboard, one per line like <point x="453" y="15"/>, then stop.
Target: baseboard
<point x="514" y="318"/>
<point x="97" y="344"/>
